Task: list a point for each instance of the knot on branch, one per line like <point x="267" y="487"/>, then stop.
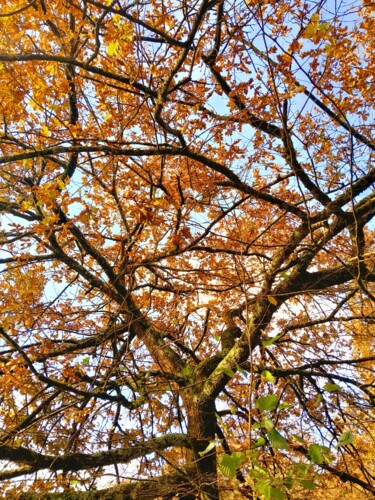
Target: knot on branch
<point x="232" y="330"/>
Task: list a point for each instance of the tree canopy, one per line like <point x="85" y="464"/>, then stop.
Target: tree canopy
<point x="187" y="249"/>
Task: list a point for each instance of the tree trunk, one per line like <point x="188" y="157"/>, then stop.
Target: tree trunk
<point x="201" y="416"/>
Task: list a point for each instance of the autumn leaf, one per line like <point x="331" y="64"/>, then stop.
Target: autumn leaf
<point x="112" y="48"/>
<point x="315" y="30"/>
<point x="272" y="300"/>
<point x="187" y="221"/>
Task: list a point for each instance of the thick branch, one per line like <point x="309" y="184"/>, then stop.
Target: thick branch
<point x="82" y="461"/>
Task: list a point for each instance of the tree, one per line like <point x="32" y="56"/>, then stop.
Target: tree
<point x="187" y="249"/>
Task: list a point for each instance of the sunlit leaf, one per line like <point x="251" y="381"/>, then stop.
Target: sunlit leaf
<point x="329" y="387"/>
<point x="267" y="403"/>
<point x="267" y="375"/>
<point x="210" y="447"/>
<point x="264" y="489"/>
<point x="259" y="442"/>
<point x="272" y="300"/>
<point x="186" y="186"/>
<point x="272" y="340"/>
<point x="345" y="438"/>
<point x="112" y="48"/>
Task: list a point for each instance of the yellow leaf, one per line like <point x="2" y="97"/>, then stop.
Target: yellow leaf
<point x="315" y="18"/>
<point x="272" y="300"/>
<point x="33" y="104"/>
<point x="112" y="48"/>
<point x="314" y="29"/>
<point x="310" y="30"/>
<point x="45" y="131"/>
<point x="60" y="184"/>
<point x="26" y="205"/>
<point x="127" y="34"/>
<point x="51" y="67"/>
<point x="160" y="202"/>
<point x="27" y="163"/>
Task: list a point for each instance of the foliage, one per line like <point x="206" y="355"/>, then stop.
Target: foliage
<point x="187" y="249"/>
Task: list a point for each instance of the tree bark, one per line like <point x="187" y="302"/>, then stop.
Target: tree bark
<point x="201" y="415"/>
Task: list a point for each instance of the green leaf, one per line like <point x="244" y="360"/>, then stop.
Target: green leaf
<point x="86" y="360"/>
<point x="264" y="489"/>
<point x="210" y="447"/>
<point x="267" y="403"/>
<point x="284" y="406"/>
<point x="277" y="494"/>
<point x="268" y="424"/>
<point x="301" y="469"/>
<point x="345" y="439"/>
<point x="315" y="454"/>
<point x="267" y="375"/>
<point x="307" y="484"/>
<point x="259" y="442"/>
<point x="239" y="457"/>
<point x="264" y="424"/>
<point x="329" y="387"/>
<point x="327" y="459"/>
<point x="299" y="439"/>
<point x="252" y="454"/>
<point x="272" y="340"/>
<point x="277" y="440"/>
<point x="228" y="464"/>
<point x="258" y="473"/>
<point x="288" y="481"/>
